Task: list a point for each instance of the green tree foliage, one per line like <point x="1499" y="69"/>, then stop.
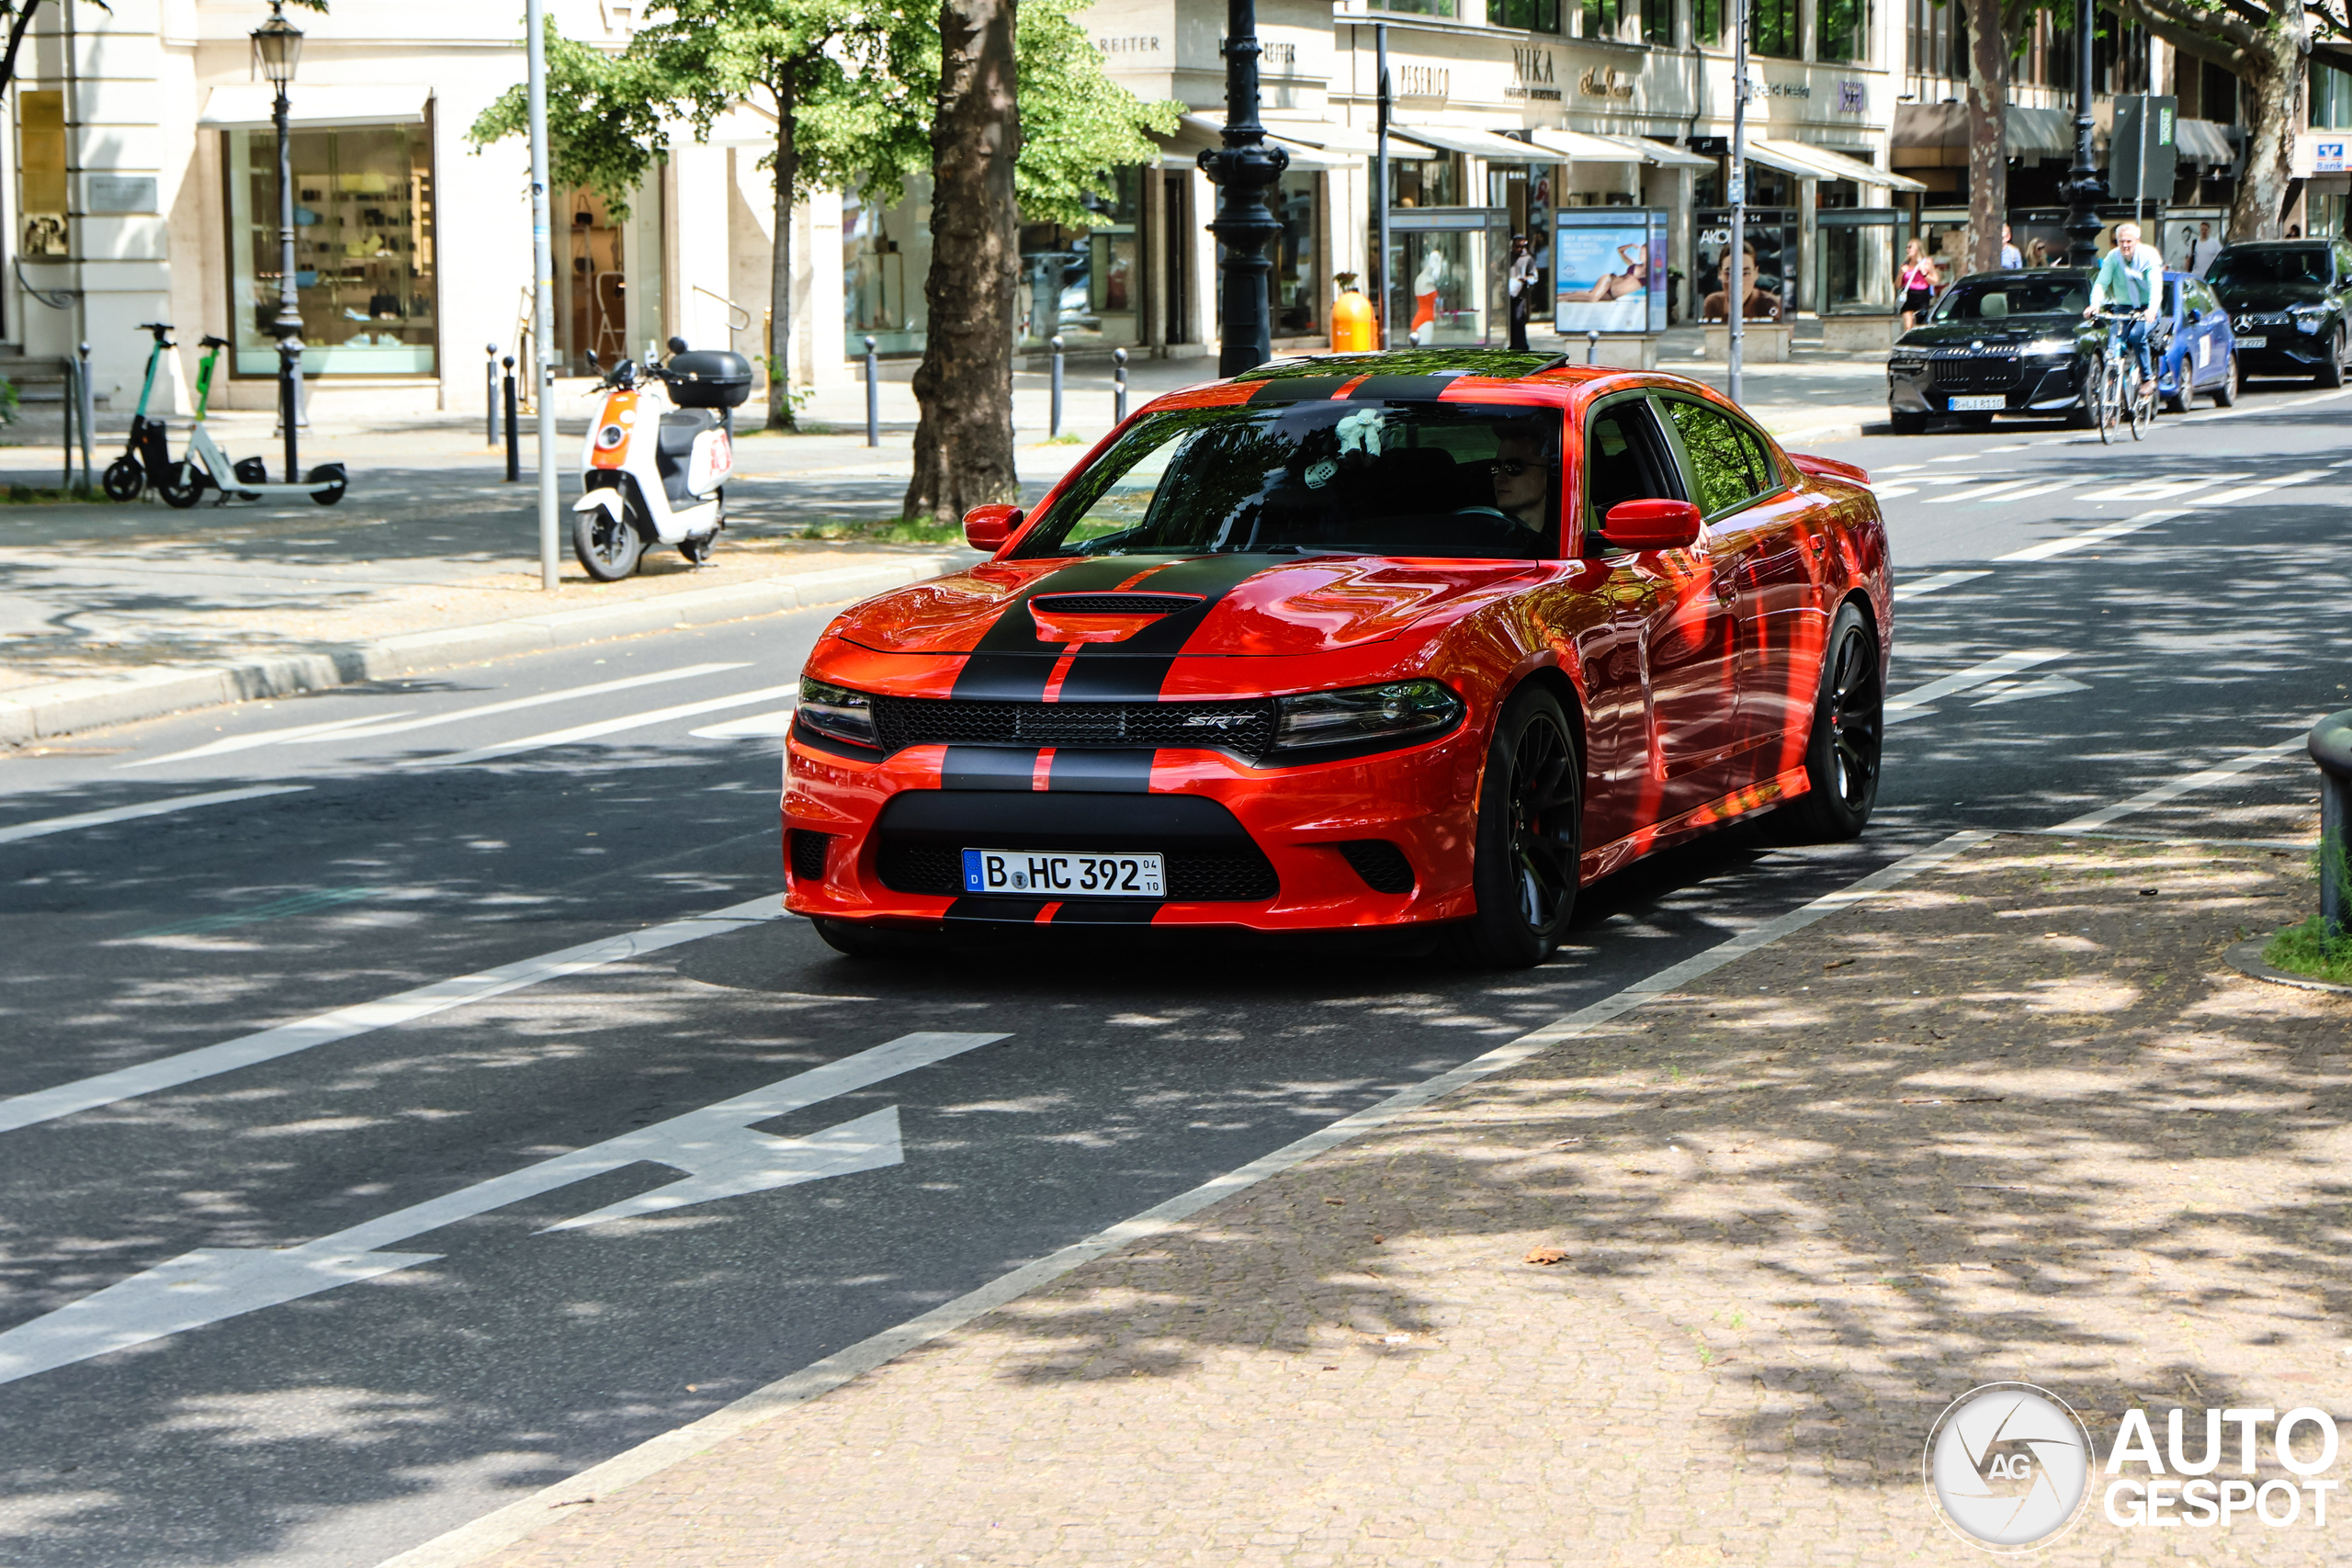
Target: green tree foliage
<point x="604" y="114"/>
<point x="1076" y="123"/>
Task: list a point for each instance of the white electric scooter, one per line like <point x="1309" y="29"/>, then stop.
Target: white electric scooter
<point x="654" y="473"/>
<point x="206" y="466"/>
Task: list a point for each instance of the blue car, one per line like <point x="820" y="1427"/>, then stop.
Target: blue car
<point x="2200" y="353"/>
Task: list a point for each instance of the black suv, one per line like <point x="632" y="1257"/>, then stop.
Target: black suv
<point x="1995" y="343"/>
<point x="2289" y="302"/>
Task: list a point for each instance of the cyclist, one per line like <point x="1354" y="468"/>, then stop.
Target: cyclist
<point x="2133" y="276"/>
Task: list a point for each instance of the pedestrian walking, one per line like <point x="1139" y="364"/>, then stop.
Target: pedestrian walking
<point x="1522" y="283"/>
<point x="2203" y="249"/>
<point x="2011" y="257"/>
<point x="1915" y="285"/>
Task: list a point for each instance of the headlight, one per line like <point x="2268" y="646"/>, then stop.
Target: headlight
<point x="1400" y="710"/>
<point x="836" y="711"/>
<point x="2309" y="317"/>
<point x="2041" y="347"/>
<point x="1906" y="366"/>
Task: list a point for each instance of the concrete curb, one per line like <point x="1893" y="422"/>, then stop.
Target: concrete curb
<point x="66" y="708"/>
<point x="2246" y="959"/>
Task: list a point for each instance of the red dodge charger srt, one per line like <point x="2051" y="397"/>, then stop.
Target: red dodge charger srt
<point x="1426" y="638"/>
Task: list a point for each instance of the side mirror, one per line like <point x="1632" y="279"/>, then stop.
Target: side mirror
<point x="1651" y="524"/>
<point x="988" y="528"/>
<point x="592" y="361"/>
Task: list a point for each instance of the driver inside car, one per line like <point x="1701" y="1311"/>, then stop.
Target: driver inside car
<point x="1523" y="471"/>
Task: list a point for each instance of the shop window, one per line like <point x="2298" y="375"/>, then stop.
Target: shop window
<point x="1297" y="277"/>
<point x="41" y="172"/>
<point x="1424" y="182"/>
<point x="886" y="260"/>
<point x="1775" y="25"/>
<point x="1844" y="32"/>
<point x="1082" y="284"/>
<point x="1938" y="39"/>
<point x="1419" y="7"/>
<point x="1710" y="22"/>
<point x="591" y="288"/>
<point x="2331" y="98"/>
<point x="1527" y="15"/>
<point x="1603" y="18"/>
<point x="362" y="250"/>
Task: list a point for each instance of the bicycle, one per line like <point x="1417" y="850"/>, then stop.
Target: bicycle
<point x="2115" y="369"/>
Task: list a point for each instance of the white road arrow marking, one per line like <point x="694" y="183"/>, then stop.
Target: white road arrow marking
<point x="2048" y="686"/>
<point x="1982" y="492"/>
<point x="1913" y="702"/>
<point x="715" y="1146"/>
<point x="758" y="726"/>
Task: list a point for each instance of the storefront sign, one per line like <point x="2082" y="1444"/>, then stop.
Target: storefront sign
<point x="1852" y="98"/>
<point x="1610" y="83"/>
<point x="1423" y="81"/>
<point x="1276" y="59"/>
<point x="1785" y="90"/>
<point x="2329" y="155"/>
<point x="1532" y="77"/>
<point x="1140" y="44"/>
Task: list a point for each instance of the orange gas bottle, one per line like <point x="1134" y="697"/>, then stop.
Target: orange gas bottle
<point x="1352" y="328"/>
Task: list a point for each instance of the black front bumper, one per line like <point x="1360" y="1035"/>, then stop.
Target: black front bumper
<point x="1926" y="385"/>
<point x="2286" y="351"/>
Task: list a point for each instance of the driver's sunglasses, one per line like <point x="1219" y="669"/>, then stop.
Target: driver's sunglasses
<point x="1509" y="468"/>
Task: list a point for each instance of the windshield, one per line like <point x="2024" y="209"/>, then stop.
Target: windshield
<point x="2308" y="267"/>
<point x="1393" y="479"/>
<point x="1996" y="299"/>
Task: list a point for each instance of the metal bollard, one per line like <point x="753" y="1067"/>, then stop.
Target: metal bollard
<point x="73" y="401"/>
<point x="513" y="432"/>
<point x="489" y="394"/>
<point x="873" y="399"/>
<point x="1055" y="426"/>
<point x="89" y="414"/>
<point x="1591" y="348"/>
<point x="1119" y="386"/>
<point x="2331" y="748"/>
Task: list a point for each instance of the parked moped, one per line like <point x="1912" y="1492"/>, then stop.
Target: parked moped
<point x="206" y="466"/>
<point x="147" y="457"/>
<point x="657" y="459"/>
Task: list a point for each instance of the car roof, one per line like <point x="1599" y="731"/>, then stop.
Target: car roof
<point x="2310" y="243"/>
<point x="2025" y="272"/>
<point x="1490" y="364"/>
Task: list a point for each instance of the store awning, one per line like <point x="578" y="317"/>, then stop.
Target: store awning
<point x="2032" y="134"/>
<point x="1329" y="135"/>
<point x="1478" y="143"/>
<point x="1582" y="147"/>
<point x="2203" y="142"/>
<point x="2037" y="133"/>
<point x="248" y="108"/>
<point x="1811" y="163"/>
<point x="1666" y="155"/>
<point x="1304" y="142"/>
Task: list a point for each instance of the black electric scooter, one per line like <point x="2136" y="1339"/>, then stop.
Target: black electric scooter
<point x="146" y="459"/>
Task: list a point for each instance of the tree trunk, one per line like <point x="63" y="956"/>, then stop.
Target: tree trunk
<point x="963" y="454"/>
<point x="2267" y="188"/>
<point x="788" y="175"/>
<point x="1988" y="140"/>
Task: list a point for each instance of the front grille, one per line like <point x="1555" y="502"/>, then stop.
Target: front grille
<point x="1244" y="728"/>
<point x="808" y="854"/>
<point x="1381" y="864"/>
<point x="1191" y="875"/>
<point x="1114" y="603"/>
<point x="1986" y="375"/>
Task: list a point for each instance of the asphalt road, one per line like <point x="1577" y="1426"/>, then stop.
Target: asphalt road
<point x="2080" y="624"/>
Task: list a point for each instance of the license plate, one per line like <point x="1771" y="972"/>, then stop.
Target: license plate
<point x="2253" y="343"/>
<point x="1059" y="874"/>
<point x="1976" y="405"/>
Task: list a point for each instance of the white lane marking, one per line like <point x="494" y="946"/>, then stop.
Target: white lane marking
<point x="758" y="726"/>
<point x="2345" y="463"/>
<point x="1939" y="582"/>
<point x="364" y="1018"/>
<point x="381" y="724"/>
<point x="715" y="1146"/>
<point x="2158" y="490"/>
<point x="476" y="1540"/>
<point x="2048" y="686"/>
<point x="1888" y="492"/>
<point x="227" y="743"/>
<point x="1913" y="702"/>
<point x="2089" y="536"/>
<point x="1894" y="468"/>
<point x="1957" y="457"/>
<point x="2204" y="778"/>
<point x="1982" y="492"/>
<point x="1991" y="451"/>
<point x="604" y="726"/>
<point x="2244" y="492"/>
<point x="2034" y="490"/>
<point x="48" y="825"/>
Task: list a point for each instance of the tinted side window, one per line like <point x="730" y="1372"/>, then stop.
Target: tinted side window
<point x="1626" y="459"/>
<point x="1728" y="465"/>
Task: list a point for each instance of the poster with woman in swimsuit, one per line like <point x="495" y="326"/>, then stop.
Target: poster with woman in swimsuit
<point x="1604" y="277"/>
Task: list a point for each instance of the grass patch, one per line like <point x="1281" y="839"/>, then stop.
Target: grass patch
<point x="1065" y="439"/>
<point x="2308" y="950"/>
<point x="887" y="531"/>
<point x="42" y="495"/>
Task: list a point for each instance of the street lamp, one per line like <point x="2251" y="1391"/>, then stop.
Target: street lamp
<point x="278" y="48"/>
<point x="2083" y="186"/>
<point x="1243" y="169"/>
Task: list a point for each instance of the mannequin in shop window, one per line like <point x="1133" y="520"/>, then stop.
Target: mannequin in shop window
<point x="1426" y="283"/>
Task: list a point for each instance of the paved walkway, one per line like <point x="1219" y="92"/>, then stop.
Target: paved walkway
<point x="2015" y="1119"/>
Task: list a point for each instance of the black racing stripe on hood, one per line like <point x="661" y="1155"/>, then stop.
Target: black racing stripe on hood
<point x="1297" y="389"/>
<point x="1009" y="663"/>
<point x="1112" y="770"/>
<point x="1133" y="671"/>
<point x="989" y="767"/>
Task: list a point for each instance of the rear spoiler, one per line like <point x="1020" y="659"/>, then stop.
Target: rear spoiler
<point x="1829" y="469"/>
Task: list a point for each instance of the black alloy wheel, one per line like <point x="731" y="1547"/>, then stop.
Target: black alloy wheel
<point x="2225" y="395"/>
<point x="1526" y="866"/>
<point x="1841" y="756"/>
<point x="124" y="479"/>
<point x="2331" y="373"/>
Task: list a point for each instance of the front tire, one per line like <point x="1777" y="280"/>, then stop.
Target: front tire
<point x="2226" y="394"/>
<point x="183" y="489"/>
<point x="124" y="479"/>
<point x="1841" y="756"/>
<point x="609" y="548"/>
<point x="2332" y="373"/>
<point x="1531" y="805"/>
<point x="1905" y="424"/>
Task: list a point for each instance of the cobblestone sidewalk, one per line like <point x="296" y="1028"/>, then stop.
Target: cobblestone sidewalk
<point x="2014" y="1120"/>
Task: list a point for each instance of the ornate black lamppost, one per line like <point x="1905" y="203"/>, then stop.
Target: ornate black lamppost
<point x="2084" y="187"/>
<point x="277" y="45"/>
<point x="1243" y="169"/>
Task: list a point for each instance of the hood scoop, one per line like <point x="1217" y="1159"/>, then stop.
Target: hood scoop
<point x="1104" y="617"/>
